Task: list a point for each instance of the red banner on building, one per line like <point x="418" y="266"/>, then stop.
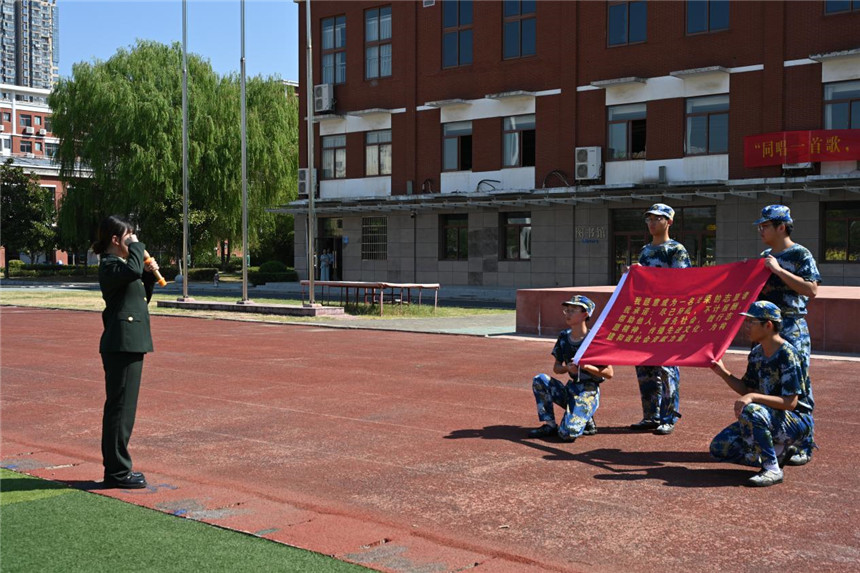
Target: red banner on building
<point x="801" y="147"/>
<point x="673" y="317"/>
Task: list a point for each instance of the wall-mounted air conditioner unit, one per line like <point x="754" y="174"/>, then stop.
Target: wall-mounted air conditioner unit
<point x="28" y="130"/>
<point x="323" y="98"/>
<point x="790" y="166"/>
<point x="2" y="127"/>
<point x="304" y="181"/>
<point x="589" y="164"/>
<point x="43" y="132"/>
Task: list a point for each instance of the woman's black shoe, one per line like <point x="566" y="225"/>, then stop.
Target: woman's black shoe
<point x="133" y="480"/>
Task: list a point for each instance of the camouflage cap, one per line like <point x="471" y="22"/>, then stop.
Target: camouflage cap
<point x="581" y="300"/>
<point x="778" y="213"/>
<point x="661" y="209"/>
<point x="764" y="310"/>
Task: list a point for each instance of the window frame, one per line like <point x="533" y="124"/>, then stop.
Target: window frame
<point x="630" y="154"/>
<point x="379" y="42"/>
<point x="25" y="120"/>
<point x="459" y="223"/>
<point x="519" y="18"/>
<point x="505" y="225"/>
<point x="707" y="115"/>
<point x="826" y="217"/>
<point x="627" y="27"/>
<point x="459" y="138"/>
<point x="850" y="101"/>
<point x="330" y="154"/>
<point x="519" y="132"/>
<point x="853" y="6"/>
<point x="708" y="29"/>
<point x="335" y="52"/>
<point x="377" y="153"/>
<point x="26" y="142"/>
<point x="374" y="238"/>
<point x="460" y="30"/>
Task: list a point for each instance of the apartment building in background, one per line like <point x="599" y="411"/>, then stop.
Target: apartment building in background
<point x="28" y="37"/>
<point x="518" y="143"/>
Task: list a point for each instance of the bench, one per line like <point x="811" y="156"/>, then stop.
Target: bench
<point x="375" y="291"/>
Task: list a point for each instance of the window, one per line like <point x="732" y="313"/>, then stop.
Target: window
<point x="377" y="153"/>
<point x="25" y="120"/>
<point x="26" y="147"/>
<point x="7" y="116"/>
<point x="456" y="33"/>
<point x="334" y="157"/>
<point x="38" y="146"/>
<point x="454" y="237"/>
<point x="519" y="141"/>
<point x="374" y="238"/>
<point x="842" y="105"/>
<point x="627" y="23"/>
<point x="51" y="149"/>
<point x="377" y="40"/>
<point x="627" y="132"/>
<point x="37" y="120"/>
<point x="48" y="124"/>
<point x="520" y="28"/>
<point x="841" y="222"/>
<point x="6" y="144"/>
<point x="838" y="6"/>
<point x="516" y="236"/>
<point x="707" y="16"/>
<point x="707" y="125"/>
<point x="334" y="50"/>
<point x="457" y="146"/>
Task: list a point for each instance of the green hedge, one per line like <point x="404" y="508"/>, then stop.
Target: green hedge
<point x="20" y="269"/>
<point x="204" y="274"/>
<point x="261" y="278"/>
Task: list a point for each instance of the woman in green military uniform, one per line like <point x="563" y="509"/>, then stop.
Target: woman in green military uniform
<point x="126" y="279"/>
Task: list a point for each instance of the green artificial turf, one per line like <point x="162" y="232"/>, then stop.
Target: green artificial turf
<point x="45" y="526"/>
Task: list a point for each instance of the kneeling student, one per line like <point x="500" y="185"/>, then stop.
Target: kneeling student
<point x="774" y="410"/>
<point x="580" y="397"/>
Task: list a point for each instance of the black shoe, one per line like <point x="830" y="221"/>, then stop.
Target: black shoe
<point x="133" y="480"/>
<point x="544" y="431"/>
<point x="645" y="424"/>
<point x="590" y="428"/>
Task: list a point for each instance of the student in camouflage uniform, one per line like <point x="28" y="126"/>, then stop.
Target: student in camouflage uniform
<point x="794" y="280"/>
<point x="775" y="407"/>
<point x="580" y="397"/>
<point x="659" y="385"/>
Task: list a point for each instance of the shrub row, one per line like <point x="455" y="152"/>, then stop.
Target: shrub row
<point x="261" y="278"/>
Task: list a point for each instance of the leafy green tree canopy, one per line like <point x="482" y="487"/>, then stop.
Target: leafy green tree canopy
<point x="26" y="212"/>
<point x="120" y="127"/>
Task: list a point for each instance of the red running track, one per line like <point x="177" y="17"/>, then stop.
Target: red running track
<point x="406" y="452"/>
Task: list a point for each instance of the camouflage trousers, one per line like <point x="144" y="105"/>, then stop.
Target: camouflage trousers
<point x="579" y="401"/>
<point x="796" y="332"/>
<point x="750" y="441"/>
<point x="659" y="390"/>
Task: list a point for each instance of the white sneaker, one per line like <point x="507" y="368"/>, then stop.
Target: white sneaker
<point x="766" y="478"/>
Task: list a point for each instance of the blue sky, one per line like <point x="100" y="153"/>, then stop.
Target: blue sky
<point x="92" y="30"/>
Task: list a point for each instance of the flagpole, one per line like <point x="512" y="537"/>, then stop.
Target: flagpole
<point x="244" y="169"/>
<point x="312" y="216"/>
<point x="185" y="149"/>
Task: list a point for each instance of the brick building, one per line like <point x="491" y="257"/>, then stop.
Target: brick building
<point x="517" y="144"/>
<point x="26" y="138"/>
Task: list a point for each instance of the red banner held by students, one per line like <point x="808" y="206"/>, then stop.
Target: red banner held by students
<point x="673" y="317"/>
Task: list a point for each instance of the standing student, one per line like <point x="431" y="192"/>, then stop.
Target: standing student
<point x="775" y="406"/>
<point x="659" y="385"/>
<point x="580" y="397"/>
<point x="793" y="281"/>
<point x="126" y="281"/>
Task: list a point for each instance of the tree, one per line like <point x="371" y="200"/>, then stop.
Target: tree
<point x="27" y="212"/>
<point x="120" y="129"/>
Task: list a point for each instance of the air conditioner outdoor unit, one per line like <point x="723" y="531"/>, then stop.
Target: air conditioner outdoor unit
<point x="323" y="98"/>
<point x="588" y="163"/>
<point x="43" y="131"/>
<point x="304" y="180"/>
<point x="2" y="127"/>
<point x="28" y="130"/>
<point x="788" y="166"/>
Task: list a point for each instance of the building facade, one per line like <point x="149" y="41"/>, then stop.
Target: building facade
<point x="517" y="143"/>
<point x="26" y="138"/>
<point x="28" y="36"/>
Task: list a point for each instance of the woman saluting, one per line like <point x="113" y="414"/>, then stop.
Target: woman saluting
<point x="126" y="280"/>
